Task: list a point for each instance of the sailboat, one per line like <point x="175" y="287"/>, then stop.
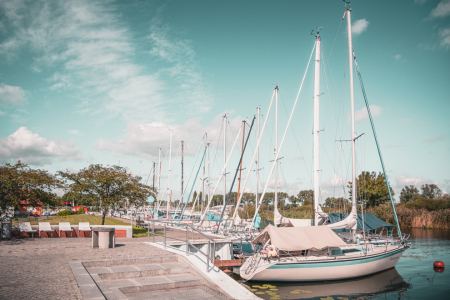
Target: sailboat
<point x="316" y="253"/>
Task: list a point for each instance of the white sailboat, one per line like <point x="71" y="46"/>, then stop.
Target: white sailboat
<point x="315" y="253"/>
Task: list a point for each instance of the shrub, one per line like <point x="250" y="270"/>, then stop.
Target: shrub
<point x="66" y="212"/>
<point x="80" y="210"/>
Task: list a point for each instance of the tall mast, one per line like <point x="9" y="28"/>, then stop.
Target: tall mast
<point x="208" y="186"/>
<point x="257" y="153"/>
<point x="182" y="170"/>
<point x="203" y="177"/>
<point x="224" y="158"/>
<point x="159" y="180"/>
<point x="169" y="194"/>
<point x="276" y="149"/>
<point x="316" y="130"/>
<point x="240" y="166"/>
<point x="352" y="107"/>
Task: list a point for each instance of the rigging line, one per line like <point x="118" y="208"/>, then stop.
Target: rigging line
<point x="170" y="171"/>
<point x="298" y="144"/>
<point x="237" y="169"/>
<point x="195" y="179"/>
<point x="340" y="24"/>
<point x="192" y="170"/>
<point x="378" y="146"/>
<point x="217" y="145"/>
<point x="284" y="136"/>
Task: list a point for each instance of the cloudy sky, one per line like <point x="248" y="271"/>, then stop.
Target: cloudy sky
<point x="85" y="82"/>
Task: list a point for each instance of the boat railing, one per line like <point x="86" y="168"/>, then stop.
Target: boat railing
<point x="189" y="228"/>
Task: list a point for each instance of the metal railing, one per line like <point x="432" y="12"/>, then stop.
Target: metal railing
<point x="209" y="256"/>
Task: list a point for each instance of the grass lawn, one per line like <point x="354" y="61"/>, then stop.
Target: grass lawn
<point x="74" y="220"/>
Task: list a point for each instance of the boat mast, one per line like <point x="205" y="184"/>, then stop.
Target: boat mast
<point x="224" y="158"/>
<point x="208" y="186"/>
<point x="352" y="107"/>
<point x="240" y="166"/>
<point x="168" y="182"/>
<point x="159" y="180"/>
<point x="276" y="150"/>
<point x="203" y="177"/>
<point x="182" y="170"/>
<point x="257" y="152"/>
<point x="317" y="130"/>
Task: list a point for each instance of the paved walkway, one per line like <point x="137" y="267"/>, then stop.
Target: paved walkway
<point x="38" y="268"/>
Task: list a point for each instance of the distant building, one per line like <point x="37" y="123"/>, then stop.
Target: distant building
<point x="25" y="207"/>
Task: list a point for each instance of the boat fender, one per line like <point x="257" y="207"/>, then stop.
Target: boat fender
<point x="272" y="251"/>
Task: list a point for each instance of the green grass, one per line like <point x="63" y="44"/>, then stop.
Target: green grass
<point x="74" y="220"/>
<point x="143" y="232"/>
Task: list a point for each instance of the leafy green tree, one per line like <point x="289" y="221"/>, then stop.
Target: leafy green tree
<point x="306" y="197"/>
<point x="431" y="191"/>
<point x="372" y="188"/>
<point x="408" y="194"/>
<point x="111" y="186"/>
<point x="78" y="199"/>
<point x="294" y="200"/>
<point x="333" y="202"/>
<point x="20" y="182"/>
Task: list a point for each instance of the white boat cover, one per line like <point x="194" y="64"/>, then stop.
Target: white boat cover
<point x="350" y="222"/>
<point x="279" y="219"/>
<point x="299" y="238"/>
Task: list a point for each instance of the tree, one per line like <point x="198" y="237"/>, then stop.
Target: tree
<point x="431" y="191"/>
<point x="408" y="194"/>
<point x="372" y="188"/>
<point x="306" y="197"/>
<point x="294" y="200"/>
<point x="21" y="183"/>
<point x="111" y="186"/>
<point x="78" y="199"/>
<point x="333" y="202"/>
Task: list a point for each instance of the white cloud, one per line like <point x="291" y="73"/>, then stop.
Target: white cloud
<point x="74" y="132"/>
<point x="94" y="49"/>
<point x="335" y="181"/>
<point x="143" y="139"/>
<point x="30" y="148"/>
<point x="444" y="35"/>
<point x="12" y="94"/>
<point x="359" y="26"/>
<point x="403" y="180"/>
<point x="435" y="139"/>
<point x="442" y="10"/>
<point x="397" y="56"/>
<point x="361" y="115"/>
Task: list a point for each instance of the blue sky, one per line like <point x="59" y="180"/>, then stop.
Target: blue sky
<point x="85" y="82"/>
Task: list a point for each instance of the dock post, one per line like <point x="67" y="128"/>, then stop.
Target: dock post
<point x="207" y="258"/>
<point x="187" y="240"/>
<point x="153" y="229"/>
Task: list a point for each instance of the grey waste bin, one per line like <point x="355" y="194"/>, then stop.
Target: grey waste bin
<point x="6" y="229"/>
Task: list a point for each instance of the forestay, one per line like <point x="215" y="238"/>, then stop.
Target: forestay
<point x="299" y="238"/>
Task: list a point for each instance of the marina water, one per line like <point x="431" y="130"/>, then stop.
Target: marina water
<point x="413" y="278"/>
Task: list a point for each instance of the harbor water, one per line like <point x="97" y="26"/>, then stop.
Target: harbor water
<point x="413" y="278"/>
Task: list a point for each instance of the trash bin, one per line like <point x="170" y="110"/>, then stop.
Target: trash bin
<point x="6" y="229"/>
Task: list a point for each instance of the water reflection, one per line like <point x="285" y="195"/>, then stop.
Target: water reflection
<point x="413" y="278"/>
<point x="378" y="284"/>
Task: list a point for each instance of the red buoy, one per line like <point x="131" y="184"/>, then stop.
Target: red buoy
<point x="439" y="264"/>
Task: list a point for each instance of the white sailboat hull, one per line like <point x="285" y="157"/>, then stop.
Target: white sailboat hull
<point x="328" y="268"/>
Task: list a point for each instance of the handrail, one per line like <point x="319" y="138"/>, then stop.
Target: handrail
<point x="208" y="256"/>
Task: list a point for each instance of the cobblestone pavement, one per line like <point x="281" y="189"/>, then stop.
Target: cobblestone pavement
<point x="38" y="268"/>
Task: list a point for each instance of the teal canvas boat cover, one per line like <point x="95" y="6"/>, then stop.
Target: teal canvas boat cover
<point x="370" y="221"/>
